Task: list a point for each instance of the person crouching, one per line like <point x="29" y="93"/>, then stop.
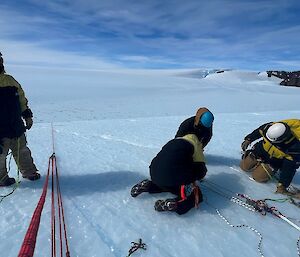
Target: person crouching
<point x="175" y="169"/>
<point x="277" y="150"/>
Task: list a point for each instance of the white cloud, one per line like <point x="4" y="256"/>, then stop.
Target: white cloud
<point x="16" y="53"/>
<point x="145" y="32"/>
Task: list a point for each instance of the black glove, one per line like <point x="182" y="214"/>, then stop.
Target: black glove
<point x="27" y="116"/>
<point x="28" y="122"/>
<point x="245" y="144"/>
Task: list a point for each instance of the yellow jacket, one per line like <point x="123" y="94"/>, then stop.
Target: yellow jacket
<point x="198" y="155"/>
<point x="275" y="152"/>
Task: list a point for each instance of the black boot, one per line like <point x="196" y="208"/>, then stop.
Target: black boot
<point x="34" y="176"/>
<point x="7" y="182"/>
<point x="166" y="205"/>
<point x="141" y="187"/>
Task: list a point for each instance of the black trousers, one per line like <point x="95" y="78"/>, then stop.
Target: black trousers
<point x="287" y="168"/>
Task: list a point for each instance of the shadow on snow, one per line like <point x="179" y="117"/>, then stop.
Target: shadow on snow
<point x="91" y="183"/>
<point x="218" y="160"/>
<point x="218" y="188"/>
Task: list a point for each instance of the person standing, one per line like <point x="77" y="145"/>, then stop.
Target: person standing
<point x="14" y="111"/>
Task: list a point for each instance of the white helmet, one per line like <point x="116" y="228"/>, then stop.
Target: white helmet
<point x="278" y="132"/>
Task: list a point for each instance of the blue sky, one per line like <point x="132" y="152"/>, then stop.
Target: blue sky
<point x="92" y="34"/>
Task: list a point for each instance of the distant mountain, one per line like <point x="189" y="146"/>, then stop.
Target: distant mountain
<point x="199" y="73"/>
<point x="289" y="78"/>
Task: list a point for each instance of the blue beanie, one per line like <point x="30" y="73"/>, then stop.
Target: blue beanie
<point x="206" y="119"/>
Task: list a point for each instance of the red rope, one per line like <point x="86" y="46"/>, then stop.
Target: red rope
<point x="60" y="212"/>
<point x="61" y="216"/>
<point x="28" y="246"/>
<point x="53" y="225"/>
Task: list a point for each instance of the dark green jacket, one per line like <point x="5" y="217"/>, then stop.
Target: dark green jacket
<point x="13" y="107"/>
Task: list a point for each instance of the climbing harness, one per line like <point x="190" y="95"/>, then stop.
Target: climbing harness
<point x="28" y="246"/>
<point x="136" y="246"/>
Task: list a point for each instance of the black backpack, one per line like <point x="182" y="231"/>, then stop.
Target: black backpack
<point x="11" y="123"/>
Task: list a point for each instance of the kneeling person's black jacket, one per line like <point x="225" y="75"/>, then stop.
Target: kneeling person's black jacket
<point x="180" y="162"/>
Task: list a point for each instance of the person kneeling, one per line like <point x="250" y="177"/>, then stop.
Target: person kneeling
<point x="176" y="169"/>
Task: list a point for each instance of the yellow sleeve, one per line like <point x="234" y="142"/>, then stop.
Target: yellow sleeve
<point x="198" y="155"/>
<point x="294" y="124"/>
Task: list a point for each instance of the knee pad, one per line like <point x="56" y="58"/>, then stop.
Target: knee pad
<point x="248" y="162"/>
<point x="263" y="172"/>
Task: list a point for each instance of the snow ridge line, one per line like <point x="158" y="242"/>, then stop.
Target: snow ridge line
<point x="111" y="138"/>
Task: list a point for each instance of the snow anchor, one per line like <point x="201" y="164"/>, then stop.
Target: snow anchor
<point x="136" y="246"/>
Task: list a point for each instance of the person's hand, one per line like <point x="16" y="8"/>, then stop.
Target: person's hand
<point x="282" y="190"/>
<point x="29" y="123"/>
<point x="245" y="144"/>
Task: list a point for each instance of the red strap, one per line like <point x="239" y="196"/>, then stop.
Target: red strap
<point x="197" y="194"/>
<point x="182" y="193"/>
<point x="27" y="248"/>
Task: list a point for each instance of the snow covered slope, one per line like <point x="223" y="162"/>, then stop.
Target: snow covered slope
<point x="108" y="127"/>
